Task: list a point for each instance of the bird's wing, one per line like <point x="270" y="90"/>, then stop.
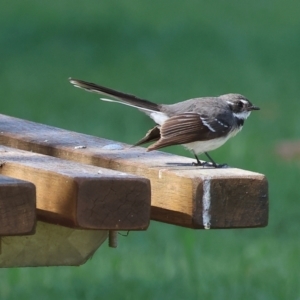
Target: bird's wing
<point x="151" y="136"/>
<point x="190" y="127"/>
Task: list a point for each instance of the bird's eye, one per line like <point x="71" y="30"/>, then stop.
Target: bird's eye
<point x="240" y="104"/>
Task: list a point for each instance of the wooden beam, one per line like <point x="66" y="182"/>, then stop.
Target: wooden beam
<point x="17" y="207"/>
<point x="81" y="196"/>
<point x="51" y="245"/>
<point x="182" y="194"/>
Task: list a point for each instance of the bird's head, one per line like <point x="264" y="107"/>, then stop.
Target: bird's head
<point x="241" y="107"/>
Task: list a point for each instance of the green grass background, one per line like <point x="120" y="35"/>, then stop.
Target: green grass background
<point x="164" y="51"/>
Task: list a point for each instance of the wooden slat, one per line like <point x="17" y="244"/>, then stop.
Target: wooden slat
<point x="17" y="206"/>
<point x="181" y="193"/>
<point x="81" y="196"/>
<point x="51" y="245"/>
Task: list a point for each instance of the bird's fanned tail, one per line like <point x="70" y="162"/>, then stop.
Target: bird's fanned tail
<point x="119" y="97"/>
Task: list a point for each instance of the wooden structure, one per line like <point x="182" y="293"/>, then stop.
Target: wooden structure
<point x="86" y="187"/>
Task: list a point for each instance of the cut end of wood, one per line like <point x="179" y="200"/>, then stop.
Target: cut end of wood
<point x="17" y="207"/>
<point x="118" y="204"/>
<point x="233" y="202"/>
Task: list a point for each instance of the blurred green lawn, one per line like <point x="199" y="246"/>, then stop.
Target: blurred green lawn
<point x="165" y="51"/>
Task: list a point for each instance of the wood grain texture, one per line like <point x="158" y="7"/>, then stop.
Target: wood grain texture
<point x="182" y="194"/>
<point x="17" y="207"/>
<point x="81" y="196"/>
<point x="51" y="245"/>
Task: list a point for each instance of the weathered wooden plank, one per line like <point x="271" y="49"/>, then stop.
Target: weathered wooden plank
<point x="51" y="245"/>
<point x="17" y="206"/>
<point x="181" y="193"/>
<point x="81" y="196"/>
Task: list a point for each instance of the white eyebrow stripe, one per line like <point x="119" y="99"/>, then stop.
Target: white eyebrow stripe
<point x="244" y="101"/>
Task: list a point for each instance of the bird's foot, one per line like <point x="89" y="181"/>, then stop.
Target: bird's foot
<point x="220" y="166"/>
<point x="209" y="165"/>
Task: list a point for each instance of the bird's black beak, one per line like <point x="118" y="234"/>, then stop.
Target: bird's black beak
<point x="254" y="108"/>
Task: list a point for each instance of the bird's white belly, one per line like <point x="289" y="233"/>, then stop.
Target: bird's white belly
<point x="205" y="146"/>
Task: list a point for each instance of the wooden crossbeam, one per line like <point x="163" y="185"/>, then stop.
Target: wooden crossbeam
<point x="81" y="196"/>
<point x="182" y="194"/>
<point x="17" y="207"/>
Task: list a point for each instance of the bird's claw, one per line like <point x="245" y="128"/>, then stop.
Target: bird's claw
<point x="220" y="166"/>
<point x="209" y="164"/>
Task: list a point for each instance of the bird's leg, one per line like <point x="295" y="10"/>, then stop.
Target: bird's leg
<point x="213" y="163"/>
<point x="198" y="163"/>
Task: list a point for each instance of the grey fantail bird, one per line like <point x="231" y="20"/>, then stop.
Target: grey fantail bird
<point x="199" y="124"/>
